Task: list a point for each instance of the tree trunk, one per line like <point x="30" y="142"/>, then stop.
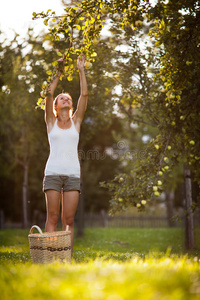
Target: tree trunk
<point x="24" y="196"/>
<point x="170" y="209"/>
<point x="189" y="225"/>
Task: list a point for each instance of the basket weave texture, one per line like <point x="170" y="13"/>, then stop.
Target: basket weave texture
<point x="49" y="246"/>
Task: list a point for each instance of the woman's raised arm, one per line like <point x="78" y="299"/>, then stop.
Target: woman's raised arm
<point x="49" y="114"/>
<point x="49" y="97"/>
<point x="82" y="101"/>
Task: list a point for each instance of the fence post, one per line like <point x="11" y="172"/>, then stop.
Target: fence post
<point x="1" y="219"/>
<point x="189" y="224"/>
<point x="103" y="215"/>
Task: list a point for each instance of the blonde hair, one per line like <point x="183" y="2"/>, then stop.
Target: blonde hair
<point x="55" y="103"/>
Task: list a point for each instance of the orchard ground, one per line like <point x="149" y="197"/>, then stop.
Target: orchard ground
<point x="108" y="263"/>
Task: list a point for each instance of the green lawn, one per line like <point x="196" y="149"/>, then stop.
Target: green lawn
<point x="108" y="263"/>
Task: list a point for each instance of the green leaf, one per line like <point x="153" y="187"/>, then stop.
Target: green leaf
<point x="46" y="22"/>
<point x="69" y="78"/>
<point x="54" y="63"/>
<point x="40" y="103"/>
<point x="34" y="14"/>
<point x="49" y="72"/>
<point x="66" y="68"/>
<point x="93" y="54"/>
<point x="59" y="53"/>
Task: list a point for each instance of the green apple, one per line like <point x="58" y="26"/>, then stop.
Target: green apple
<point x="98" y="27"/>
<point x="157" y="146"/>
<point x="120" y="199"/>
<point x="166" y="167"/>
<point x="121" y="179"/>
<point x="138" y="205"/>
<point x="169" y="147"/>
<point x="144" y="202"/>
<point x="166" y="159"/>
<point x="192" y="142"/>
<point x="156" y="193"/>
<point x="159" y="182"/>
<point x="160" y="173"/>
<point x="88" y="64"/>
<point x="95" y="40"/>
<point x="138" y="23"/>
<point x="155" y="188"/>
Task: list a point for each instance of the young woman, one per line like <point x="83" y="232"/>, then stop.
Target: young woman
<point x="62" y="171"/>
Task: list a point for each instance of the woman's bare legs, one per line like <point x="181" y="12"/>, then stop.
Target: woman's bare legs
<point x="53" y="209"/>
<point x="69" y="206"/>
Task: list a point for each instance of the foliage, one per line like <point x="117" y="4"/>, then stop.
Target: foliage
<point x="21" y="125"/>
<point x="167" y="99"/>
<point x="79" y="29"/>
<point x="176" y="35"/>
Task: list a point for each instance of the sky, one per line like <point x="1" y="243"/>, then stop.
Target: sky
<point x="16" y="15"/>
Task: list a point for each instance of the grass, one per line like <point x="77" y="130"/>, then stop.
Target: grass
<point x="108" y="264"/>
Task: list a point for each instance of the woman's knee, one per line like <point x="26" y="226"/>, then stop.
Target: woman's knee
<point x="68" y="220"/>
<point x="53" y="218"/>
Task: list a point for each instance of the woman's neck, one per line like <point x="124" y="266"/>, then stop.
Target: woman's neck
<point x="63" y="116"/>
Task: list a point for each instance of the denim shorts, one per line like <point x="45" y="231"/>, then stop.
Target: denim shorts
<point x="61" y="183"/>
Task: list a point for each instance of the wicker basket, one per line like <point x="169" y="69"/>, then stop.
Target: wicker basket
<point x="49" y="246"/>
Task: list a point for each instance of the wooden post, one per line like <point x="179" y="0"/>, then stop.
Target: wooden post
<point x="24" y="196"/>
<point x="1" y="219"/>
<point x="170" y="209"/>
<point x="189" y="224"/>
<point x="103" y="218"/>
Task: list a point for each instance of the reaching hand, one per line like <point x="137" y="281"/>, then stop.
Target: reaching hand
<point x="81" y="61"/>
<point x="61" y="65"/>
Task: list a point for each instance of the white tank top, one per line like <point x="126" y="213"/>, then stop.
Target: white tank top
<point x="63" y="157"/>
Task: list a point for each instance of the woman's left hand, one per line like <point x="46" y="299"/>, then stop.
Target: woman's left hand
<point x="81" y="61"/>
<point x="61" y="65"/>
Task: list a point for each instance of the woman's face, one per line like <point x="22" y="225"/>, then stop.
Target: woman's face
<point x="63" y="101"/>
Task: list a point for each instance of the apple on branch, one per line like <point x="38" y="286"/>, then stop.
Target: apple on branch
<point x="88" y="64"/>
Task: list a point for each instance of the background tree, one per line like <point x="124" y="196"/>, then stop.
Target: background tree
<point x="173" y="106"/>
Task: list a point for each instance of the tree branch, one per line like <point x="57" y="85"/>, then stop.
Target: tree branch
<point x="135" y="119"/>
